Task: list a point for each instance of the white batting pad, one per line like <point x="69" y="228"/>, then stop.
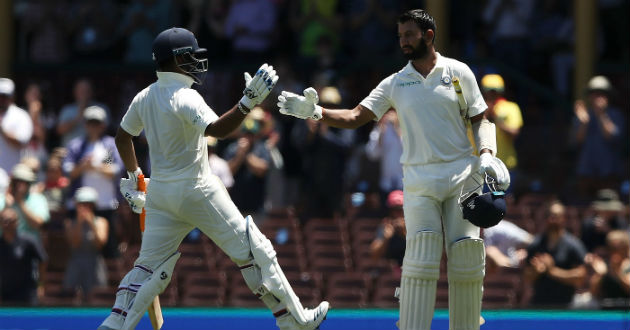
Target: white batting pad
<point x="421" y="270"/>
<point x="466" y="269"/>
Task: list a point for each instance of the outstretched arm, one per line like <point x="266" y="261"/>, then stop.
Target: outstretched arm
<point x="347" y="118"/>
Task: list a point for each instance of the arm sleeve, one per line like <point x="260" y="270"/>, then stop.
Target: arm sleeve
<point x="379" y="100"/>
<point x="474" y="99"/>
<point x="194" y="110"/>
<point x="131" y="121"/>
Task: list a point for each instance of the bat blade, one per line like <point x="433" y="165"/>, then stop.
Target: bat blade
<point x="155" y="314"/>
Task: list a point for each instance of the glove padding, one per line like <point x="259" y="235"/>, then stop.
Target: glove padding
<point x="495" y="168"/>
<point x="303" y="107"/>
<point x="258" y="87"/>
<point x="135" y="198"/>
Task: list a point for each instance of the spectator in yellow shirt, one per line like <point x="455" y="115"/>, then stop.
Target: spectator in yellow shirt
<point x="506" y="115"/>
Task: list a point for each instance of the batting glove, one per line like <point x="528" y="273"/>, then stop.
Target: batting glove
<point x="258" y="87"/>
<point x="135" y="198"/>
<point x="495" y="168"/>
<point x="303" y="107"/>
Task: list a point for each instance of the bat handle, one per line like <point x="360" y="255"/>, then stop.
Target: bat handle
<point x="142" y="186"/>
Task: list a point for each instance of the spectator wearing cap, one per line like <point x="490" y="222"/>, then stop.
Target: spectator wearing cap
<point x="249" y="161"/>
<point x="71" y="122"/>
<point x="87" y="235"/>
<point x="30" y="206"/>
<point x="598" y="133"/>
<point x="21" y="260"/>
<point x="390" y="241"/>
<point x="16" y="127"/>
<point x="507" y="117"/>
<point x="93" y="161"/>
<point x="607" y="215"/>
<point x="555" y="261"/>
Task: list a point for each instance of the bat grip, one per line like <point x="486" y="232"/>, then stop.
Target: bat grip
<point x="142" y="186"/>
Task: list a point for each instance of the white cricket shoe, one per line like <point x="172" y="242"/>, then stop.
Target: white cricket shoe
<point x="315" y="316"/>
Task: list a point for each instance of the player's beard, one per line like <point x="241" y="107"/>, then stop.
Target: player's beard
<point x="417" y="52"/>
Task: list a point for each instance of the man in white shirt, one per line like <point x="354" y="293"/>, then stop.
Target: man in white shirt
<point x="16" y="127"/>
<point x="437" y="161"/>
<point x="183" y="193"/>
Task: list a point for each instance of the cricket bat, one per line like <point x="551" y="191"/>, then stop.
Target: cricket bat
<point x="463" y="107"/>
<point x="155" y="311"/>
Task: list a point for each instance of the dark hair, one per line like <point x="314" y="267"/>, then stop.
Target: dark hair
<point x="423" y="20"/>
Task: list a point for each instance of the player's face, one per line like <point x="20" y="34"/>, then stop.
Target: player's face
<point x="411" y="41"/>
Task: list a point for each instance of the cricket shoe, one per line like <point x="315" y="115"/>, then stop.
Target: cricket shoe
<point x="315" y="316"/>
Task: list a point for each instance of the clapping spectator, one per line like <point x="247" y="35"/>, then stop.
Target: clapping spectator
<point x="71" y="122"/>
<point x="555" y="261"/>
<point x="506" y="245"/>
<point x="16" y="127"/>
<point x="30" y="206"/>
<point x="598" y="132"/>
<point x="390" y="241"/>
<point x="21" y="259"/>
<point x="610" y="283"/>
<point x="249" y="161"/>
<point x="93" y="161"/>
<point x="250" y="24"/>
<point x="87" y="234"/>
<point x="142" y="21"/>
<point x="607" y="215"/>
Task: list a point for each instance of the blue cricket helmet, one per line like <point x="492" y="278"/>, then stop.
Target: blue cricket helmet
<point x="179" y="41"/>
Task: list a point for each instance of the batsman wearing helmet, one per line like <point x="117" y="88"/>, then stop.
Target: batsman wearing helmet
<point x="434" y="97"/>
<point x="183" y="194"/>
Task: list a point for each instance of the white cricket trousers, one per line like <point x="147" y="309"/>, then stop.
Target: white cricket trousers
<point x="175" y="208"/>
<point x="431" y="194"/>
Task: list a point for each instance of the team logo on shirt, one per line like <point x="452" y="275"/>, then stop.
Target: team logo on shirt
<point x="446" y="80"/>
<point x="410" y="83"/>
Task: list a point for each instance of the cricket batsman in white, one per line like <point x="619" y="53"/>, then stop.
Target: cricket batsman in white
<point x="184" y="194"/>
<point x="437" y="163"/>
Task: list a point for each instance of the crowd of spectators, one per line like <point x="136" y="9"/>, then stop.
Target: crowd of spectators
<point x="56" y="141"/>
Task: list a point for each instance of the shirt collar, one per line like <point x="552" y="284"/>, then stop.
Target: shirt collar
<point x="174" y="78"/>
<point x="439" y="64"/>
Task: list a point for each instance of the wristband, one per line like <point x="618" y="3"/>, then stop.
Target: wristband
<point x="244" y="110"/>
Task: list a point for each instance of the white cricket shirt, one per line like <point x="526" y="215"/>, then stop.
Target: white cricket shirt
<point x="174" y="118"/>
<point x="431" y="126"/>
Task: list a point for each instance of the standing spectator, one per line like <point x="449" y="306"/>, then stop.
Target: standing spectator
<point x="93" y="161"/>
<point x="598" y="132"/>
<point x="93" y="23"/>
<point x="206" y="19"/>
<point x="141" y="22"/>
<point x="87" y="234"/>
<point x="56" y="185"/>
<point x="71" y="123"/>
<point x="555" y="261"/>
<point x="20" y="257"/>
<point x="249" y="161"/>
<point x="385" y="145"/>
<point x="506" y="115"/>
<point x="250" y="24"/>
<point x="325" y="151"/>
<point x="390" y="241"/>
<point x="370" y="25"/>
<point x="37" y="145"/>
<point x="16" y="127"/>
<point x="607" y="216"/>
<point x="610" y="284"/>
<point x="506" y="245"/>
<point x="44" y="27"/>
<point x="31" y="206"/>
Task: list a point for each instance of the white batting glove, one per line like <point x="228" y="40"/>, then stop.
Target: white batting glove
<point x="303" y="107"/>
<point x="495" y="168"/>
<point x="258" y="87"/>
<point x="135" y="198"/>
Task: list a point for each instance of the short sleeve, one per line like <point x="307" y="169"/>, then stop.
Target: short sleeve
<point x="513" y="117"/>
<point x="379" y="99"/>
<point x="131" y="121"/>
<point x="474" y="98"/>
<point x="194" y="110"/>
